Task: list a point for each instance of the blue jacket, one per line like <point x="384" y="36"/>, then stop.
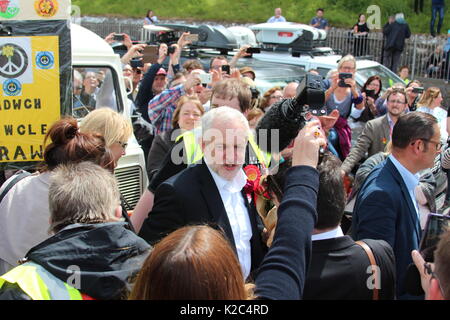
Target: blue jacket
<point x="384" y="210"/>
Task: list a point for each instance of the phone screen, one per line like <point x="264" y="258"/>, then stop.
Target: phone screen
<point x="192" y="37"/>
<point x="118" y="37"/>
<point x="253" y="50"/>
<point x="435" y="226"/>
<point x="226" y="69"/>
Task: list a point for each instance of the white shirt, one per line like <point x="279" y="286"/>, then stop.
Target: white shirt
<point x="335" y="233"/>
<point x="411" y="181"/>
<point x="233" y="201"/>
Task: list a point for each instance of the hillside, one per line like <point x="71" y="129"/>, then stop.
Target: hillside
<point x="340" y="13"/>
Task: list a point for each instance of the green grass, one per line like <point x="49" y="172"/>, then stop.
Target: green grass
<point x="340" y="13"/>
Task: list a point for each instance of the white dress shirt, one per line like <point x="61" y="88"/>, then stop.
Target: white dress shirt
<point x="335" y="233"/>
<point x="233" y="201"/>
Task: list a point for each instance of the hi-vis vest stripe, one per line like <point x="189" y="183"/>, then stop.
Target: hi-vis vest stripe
<point x="194" y="152"/>
<point x="40" y="284"/>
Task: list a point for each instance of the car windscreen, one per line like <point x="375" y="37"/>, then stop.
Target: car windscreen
<point x="388" y="78"/>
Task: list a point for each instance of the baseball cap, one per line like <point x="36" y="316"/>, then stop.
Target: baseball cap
<point x="161" y="71"/>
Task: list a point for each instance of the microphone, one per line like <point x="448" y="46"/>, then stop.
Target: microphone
<point x="289" y="116"/>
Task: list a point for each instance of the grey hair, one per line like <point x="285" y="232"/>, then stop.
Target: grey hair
<point x="223" y="114"/>
<point x="81" y="193"/>
<point x="347" y="58"/>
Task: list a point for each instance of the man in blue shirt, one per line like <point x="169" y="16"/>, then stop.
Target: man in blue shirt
<point x="277" y="17"/>
<point x="318" y="21"/>
<point x="386" y="206"/>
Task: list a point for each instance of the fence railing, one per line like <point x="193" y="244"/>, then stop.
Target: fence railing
<point x="422" y="54"/>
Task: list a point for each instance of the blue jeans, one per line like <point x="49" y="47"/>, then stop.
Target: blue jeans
<point x="434" y="11"/>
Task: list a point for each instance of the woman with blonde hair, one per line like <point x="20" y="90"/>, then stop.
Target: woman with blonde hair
<point x="430" y="102"/>
<point x="342" y="94"/>
<point x="114" y="127"/>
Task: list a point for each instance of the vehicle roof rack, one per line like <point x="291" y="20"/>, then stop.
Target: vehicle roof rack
<point x="217" y="37"/>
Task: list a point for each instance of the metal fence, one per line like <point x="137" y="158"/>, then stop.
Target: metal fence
<point x="423" y="54"/>
<point x="417" y="54"/>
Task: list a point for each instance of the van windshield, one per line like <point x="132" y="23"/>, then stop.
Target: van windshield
<point x="94" y="88"/>
<point x="388" y="78"/>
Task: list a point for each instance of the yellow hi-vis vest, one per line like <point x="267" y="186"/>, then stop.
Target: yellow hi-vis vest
<point x="39" y="284"/>
<point x="194" y="152"/>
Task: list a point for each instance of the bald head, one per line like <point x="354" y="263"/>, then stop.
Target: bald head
<point x="290" y="90"/>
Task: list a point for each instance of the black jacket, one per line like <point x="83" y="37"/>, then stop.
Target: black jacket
<point x="108" y="255"/>
<point x="338" y="270"/>
<point x="189" y="198"/>
<point x="395" y="34"/>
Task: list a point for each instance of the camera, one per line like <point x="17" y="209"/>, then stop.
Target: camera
<point x="418" y="90"/>
<point x="226" y="69"/>
<point x="342" y="77"/>
<point x="119" y="37"/>
<point x="370" y="93"/>
<point x="289" y="116"/>
<point x="253" y="50"/>
<point x="136" y="63"/>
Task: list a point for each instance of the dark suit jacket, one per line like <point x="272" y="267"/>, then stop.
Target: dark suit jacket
<point x="189" y="198"/>
<point x="384" y="210"/>
<point x="338" y="270"/>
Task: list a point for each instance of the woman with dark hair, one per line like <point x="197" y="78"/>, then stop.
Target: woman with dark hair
<point x="370" y="92"/>
<point x="150" y="18"/>
<point x="24" y="211"/>
<point x="360" y="32"/>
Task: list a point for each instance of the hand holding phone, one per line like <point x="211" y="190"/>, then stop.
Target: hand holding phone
<point x="435" y="226"/>
<point x="342" y="77"/>
<point x="119" y="37"/>
<point x="418" y="90"/>
<point x="226" y="69"/>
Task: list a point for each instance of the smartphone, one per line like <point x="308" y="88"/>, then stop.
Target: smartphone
<point x="118" y="37"/>
<point x="435" y="226"/>
<point x="370" y="93"/>
<point x="226" y="69"/>
<point x="418" y="90"/>
<point x="150" y="54"/>
<point x="343" y="76"/>
<point x="171" y="50"/>
<point x="253" y="50"/>
<point x="192" y="37"/>
<point x="205" y="79"/>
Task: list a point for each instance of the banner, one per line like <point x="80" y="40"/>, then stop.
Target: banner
<point x="34" y="9"/>
<point x="30" y="99"/>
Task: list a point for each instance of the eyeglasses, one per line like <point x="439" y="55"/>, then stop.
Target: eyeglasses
<point x="396" y="101"/>
<point x="123" y="144"/>
<point x="437" y="144"/>
<point x="276" y="97"/>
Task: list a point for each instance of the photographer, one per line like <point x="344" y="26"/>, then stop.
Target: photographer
<point x="370" y="92"/>
<point x="342" y="94"/>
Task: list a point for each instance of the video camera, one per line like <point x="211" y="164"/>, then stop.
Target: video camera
<point x="289" y="116"/>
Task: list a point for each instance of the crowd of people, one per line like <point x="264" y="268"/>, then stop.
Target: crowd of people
<point x="222" y="218"/>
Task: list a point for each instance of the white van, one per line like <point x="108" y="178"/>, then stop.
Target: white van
<point x="90" y="53"/>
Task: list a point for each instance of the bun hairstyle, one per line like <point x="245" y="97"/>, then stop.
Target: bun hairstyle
<point x="69" y="145"/>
